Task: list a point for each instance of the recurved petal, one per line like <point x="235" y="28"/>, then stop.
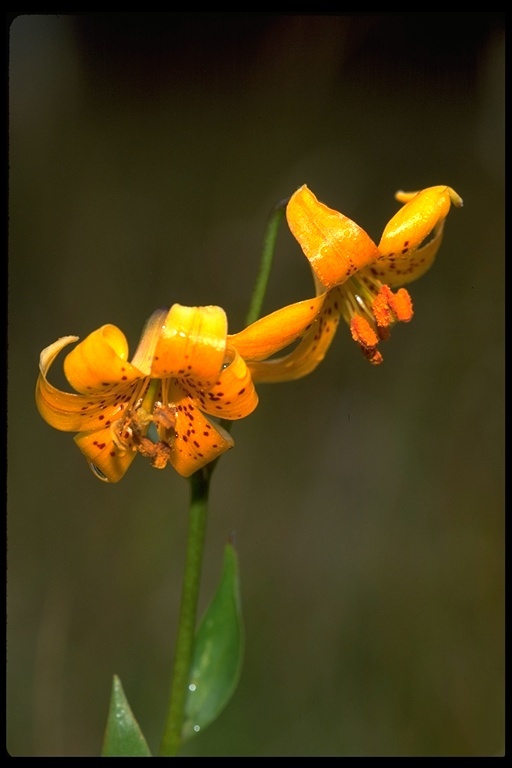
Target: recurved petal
<point x="192" y="342"/>
<point x="76" y="413"/>
<point x="276" y="331"/>
<point x="308" y="353"/>
<point x="108" y="462"/>
<point x="100" y="361"/>
<point x="197" y="441"/>
<point x="62" y="410"/>
<point x="400" y="271"/>
<point x="70" y="412"/>
<point x="416" y="220"/>
<point x="335" y="246"/>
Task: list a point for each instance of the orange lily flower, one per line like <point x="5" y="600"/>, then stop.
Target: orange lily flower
<point x="355" y="276"/>
<point x="185" y="369"/>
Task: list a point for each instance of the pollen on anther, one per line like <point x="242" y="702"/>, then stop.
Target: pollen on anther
<point x="382" y="310"/>
<point x="403" y="305"/>
<point x="362" y="332"/>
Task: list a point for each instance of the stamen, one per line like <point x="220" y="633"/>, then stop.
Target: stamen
<point x="357" y="295"/>
<point x="371" y="309"/>
<point x="382" y="310"/>
<point x="158" y="453"/>
<point x="145" y="411"/>
<point x="372" y="355"/>
<point x="134" y="418"/>
<point x="388" y="307"/>
<point x="164" y="416"/>
<point x="403" y="306"/>
<point x="363" y="333"/>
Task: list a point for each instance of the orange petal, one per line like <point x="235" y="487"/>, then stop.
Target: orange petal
<point x="232" y="396"/>
<point x="308" y="353"/>
<point x="104" y="455"/>
<point x="100" y="361"/>
<point x="61" y="410"/>
<point x="396" y="271"/>
<point x="416" y="220"/>
<point x="197" y="441"/>
<point x="192" y="342"/>
<point x="276" y="331"/>
<point x="77" y="413"/>
<point x="70" y="412"/>
<point x="335" y="246"/>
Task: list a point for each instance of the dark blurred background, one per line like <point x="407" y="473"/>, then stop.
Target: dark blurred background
<point x="146" y="152"/>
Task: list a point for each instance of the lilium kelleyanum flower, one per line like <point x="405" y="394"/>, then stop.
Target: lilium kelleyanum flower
<point x="355" y="276"/>
<point x="185" y="370"/>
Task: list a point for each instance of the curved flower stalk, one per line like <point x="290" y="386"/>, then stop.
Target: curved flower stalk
<point x="355" y="276"/>
<point x="186" y="374"/>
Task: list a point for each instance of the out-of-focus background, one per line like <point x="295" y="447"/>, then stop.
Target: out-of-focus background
<point x="146" y="152"/>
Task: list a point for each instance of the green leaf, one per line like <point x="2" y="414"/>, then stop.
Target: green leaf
<point x="218" y="652"/>
<point x="123" y="736"/>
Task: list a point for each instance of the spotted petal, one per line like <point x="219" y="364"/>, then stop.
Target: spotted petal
<point x="197" y="440"/>
<point x="399" y="271"/>
<point x="232" y="396"/>
<point x="309" y="352"/>
<point x="107" y="460"/>
<point x="70" y="412"/>
<point x="416" y="219"/>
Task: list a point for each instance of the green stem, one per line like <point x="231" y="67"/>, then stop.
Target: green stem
<point x="199" y="485"/>
<point x="269" y="246"/>
<point x="260" y="287"/>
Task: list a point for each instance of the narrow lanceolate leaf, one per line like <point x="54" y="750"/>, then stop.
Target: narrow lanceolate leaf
<point x="123" y="736"/>
<point x="218" y="651"/>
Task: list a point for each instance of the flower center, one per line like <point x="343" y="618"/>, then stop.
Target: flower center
<point x="148" y="411"/>
<point x="370" y="308"/>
